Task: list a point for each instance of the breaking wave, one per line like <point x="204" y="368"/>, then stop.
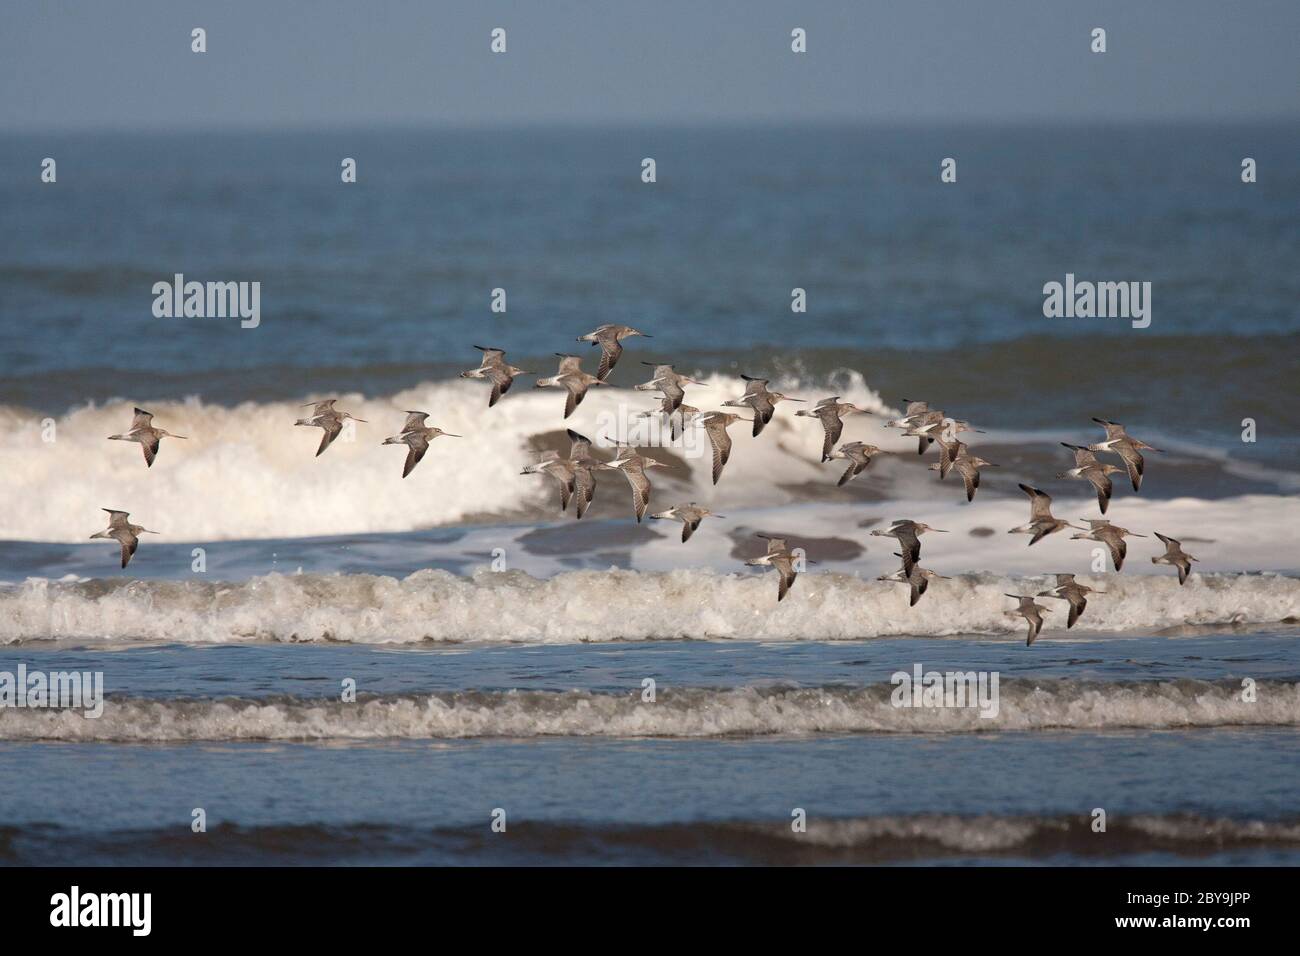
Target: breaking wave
<point x="862" y="840"/>
<point x="246" y="472"/>
<point x="576" y="606"/>
<point x="1023" y="705"/>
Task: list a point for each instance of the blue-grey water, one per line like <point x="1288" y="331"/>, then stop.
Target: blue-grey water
<point x="224" y="681"/>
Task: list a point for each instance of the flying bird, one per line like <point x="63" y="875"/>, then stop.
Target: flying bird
<point x="1071" y="591"/>
<point x="1088" y="468"/>
<point x="762" y="400"/>
<point x="858" y="455"/>
<point x="607" y="337"/>
<point x="1175" y="555"/>
<point x="968" y="466"/>
<point x="780" y="557"/>
<point x="1130" y="449"/>
<point x="142" y="430"/>
<point x="908" y="533"/>
<point x="689" y="515"/>
<point x="1112" y="535"/>
<point x="913" y="575"/>
<point x="496" y="370"/>
<point x="326" y="417"/>
<point x="416" y="436"/>
<point x="831" y="412"/>
<point x="669" y="383"/>
<point x="1031" y="612"/>
<point x="123" y="532"/>
<point x="573" y="379"/>
<point x="715" y="426"/>
<point x="1041" y="522"/>
<point x="633" y="466"/>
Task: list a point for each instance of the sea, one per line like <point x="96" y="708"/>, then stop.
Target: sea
<point x="318" y="662"/>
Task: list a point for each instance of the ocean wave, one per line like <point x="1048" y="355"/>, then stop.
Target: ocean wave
<point x="1022" y="705"/>
<point x="575" y="606"/>
<point x="891" y="838"/>
<point x="246" y="472"/>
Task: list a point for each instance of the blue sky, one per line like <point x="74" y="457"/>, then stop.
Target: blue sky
<point x="78" y="64"/>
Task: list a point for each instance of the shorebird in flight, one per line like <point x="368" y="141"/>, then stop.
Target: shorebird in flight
<point x="1071" y="591"/>
<point x="1175" y="555"/>
<point x="913" y="575"/>
<point x="572" y="379"/>
<point x="715" y="426"/>
<point x="780" y="557"/>
<point x="1031" y="612"/>
<point x="831" y="412"/>
<point x="763" y="401"/>
<point x="607" y="337"/>
<point x="689" y="515"/>
<point x="584" y="467"/>
<point x="908" y="533"/>
<point x="950" y="448"/>
<point x="559" y="468"/>
<point x="678" y="418"/>
<point x="495" y="368"/>
<point x="327" y="417"/>
<point x="1112" y="535"/>
<point x="633" y="466"/>
<point x="416" y="436"/>
<point x="858" y="455"/>
<point x="968" y="466"/>
<point x="1041" y="522"/>
<point x="123" y="532"/>
<point x="1120" y="442"/>
<point x="669" y="382"/>
<point x="142" y="430"/>
<point x="1088" y="468"/>
<point x="916" y="421"/>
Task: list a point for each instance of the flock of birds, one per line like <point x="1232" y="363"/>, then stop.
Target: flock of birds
<point x="575" y="472"/>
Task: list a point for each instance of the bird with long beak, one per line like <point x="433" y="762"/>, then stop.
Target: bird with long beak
<point x="633" y="466"/>
<point x="908" y="533"/>
<point x="1112" y="535"/>
<point x="689" y="515"/>
<point x="670" y="383"/>
<point x="1071" y="591"/>
<point x="607" y="337"/>
<point x="761" y="399"/>
<point x="1120" y="442"/>
<point x="123" y="532"/>
<point x="831" y="412"/>
<point x="1176" y="556"/>
<point x="913" y="575"/>
<point x="572" y="379"/>
<point x="416" y="436"/>
<point x="858" y="455"/>
<point x="1041" y="521"/>
<point x="1088" y="468"/>
<point x="329" y="419"/>
<point x="779" y="556"/>
<point x="1031" y="612"/>
<point x="142" y="430"/>
<point x="497" y="370"/>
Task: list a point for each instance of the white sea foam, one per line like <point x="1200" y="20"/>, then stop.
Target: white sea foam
<point x="1026" y="705"/>
<point x="576" y="606"/>
<point x="247" y="472"/>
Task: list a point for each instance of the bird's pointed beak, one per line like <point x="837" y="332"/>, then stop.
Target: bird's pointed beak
<point x="1134" y="534"/>
<point x="940" y="530"/>
<point x="453" y="435"/>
